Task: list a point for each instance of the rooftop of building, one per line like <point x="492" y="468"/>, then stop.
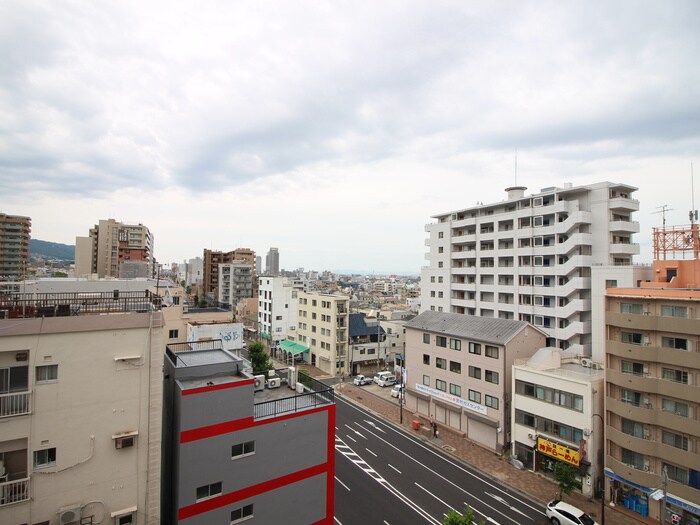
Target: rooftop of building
<point x="551" y="361"/>
<point x="485" y="329"/>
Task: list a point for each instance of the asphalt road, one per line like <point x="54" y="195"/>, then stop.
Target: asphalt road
<point x="386" y="476"/>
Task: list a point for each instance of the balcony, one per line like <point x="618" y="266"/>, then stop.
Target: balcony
<point x="15" y="491"/>
<point x="15" y="404"/>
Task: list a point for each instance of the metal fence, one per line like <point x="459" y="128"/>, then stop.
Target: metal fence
<point x="294" y="403"/>
<point x="15" y="404"/>
<point x="65" y="304"/>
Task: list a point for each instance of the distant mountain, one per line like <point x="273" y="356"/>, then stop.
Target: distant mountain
<point x="51" y="250"/>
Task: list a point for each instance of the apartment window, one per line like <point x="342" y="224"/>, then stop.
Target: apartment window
<point x="455" y="390"/>
<point x="313" y="328"/>
<point x="675" y="407"/>
<point x="677" y="376"/>
<point x="633" y="459"/>
<point x="441" y="385"/>
<point x="243" y="449"/>
<point x="441" y="341"/>
<point x="440" y="264"/>
<point x="474" y="372"/>
<point x="426" y="380"/>
<point x="313" y="315"/>
<point x="441" y="249"/>
<point x="241" y="514"/>
<point x="474" y="396"/>
<point x="426" y="359"/>
<point x="45" y="457"/>
<point x="313" y="302"/>
<point x="632" y="428"/>
<point x="631" y="308"/>
<point x="46" y="373"/>
<point x="674" y="342"/>
<point x="675" y="440"/>
<point x="632" y="367"/>
<point x="439" y="279"/>
<point x="432" y="279"/>
<point x="491" y="377"/>
<point x="440" y="295"/>
<point x="440" y="235"/>
<point x="455" y="367"/>
<point x="173" y="334"/>
<point x="426" y="338"/>
<point x="123" y="519"/>
<point x="432" y="293"/>
<point x="611" y="283"/>
<point x="441" y="363"/>
<point x="208" y="491"/>
<point x="537" y="221"/>
<point x="674" y="311"/>
<point x="455" y="344"/>
<point x="631" y="397"/>
<point x="678" y="474"/>
<point x="633" y="338"/>
<point x="491" y="402"/>
<point x="491" y="351"/>
<point x="475" y="348"/>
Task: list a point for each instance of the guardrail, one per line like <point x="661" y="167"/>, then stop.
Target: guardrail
<point x="15" y="404"/>
<point x="14" y="491"/>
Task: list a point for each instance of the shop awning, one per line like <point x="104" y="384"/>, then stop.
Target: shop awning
<point x="293" y="348"/>
<point x="265" y="335"/>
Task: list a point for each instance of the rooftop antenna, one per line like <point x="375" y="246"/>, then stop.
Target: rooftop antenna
<point x="662" y="211"/>
<point x="693" y="212"/>
<point x="516" y="166"/>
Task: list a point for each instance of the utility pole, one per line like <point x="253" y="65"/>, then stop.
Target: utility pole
<point x="664" y="484"/>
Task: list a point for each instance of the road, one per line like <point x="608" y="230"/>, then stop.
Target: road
<point x="386" y="476"/>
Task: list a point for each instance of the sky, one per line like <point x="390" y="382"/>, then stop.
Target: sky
<point x="335" y="130"/>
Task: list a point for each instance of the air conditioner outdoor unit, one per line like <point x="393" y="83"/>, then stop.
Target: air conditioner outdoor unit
<point x="271" y="373"/>
<point x="259" y="383"/>
<point x="292" y="378"/>
<point x="69" y="515"/>
<point x="274" y="382"/>
<point x="586" y="362"/>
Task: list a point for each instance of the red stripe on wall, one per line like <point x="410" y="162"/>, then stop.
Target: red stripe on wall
<point x="249" y="492"/>
<point x="330" y="468"/>
<point x="221" y="386"/>
<point x="239" y="424"/>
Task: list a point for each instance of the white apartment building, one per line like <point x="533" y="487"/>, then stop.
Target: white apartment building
<point x="554" y="409"/>
<point x="529" y="258"/>
<point x="80" y="409"/>
<point x="277" y="308"/>
<point x="235" y="282"/>
<point x="322" y="328"/>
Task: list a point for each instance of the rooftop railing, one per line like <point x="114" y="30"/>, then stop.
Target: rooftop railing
<point x="66" y="304"/>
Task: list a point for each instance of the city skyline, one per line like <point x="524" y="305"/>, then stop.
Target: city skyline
<point x="334" y="132"/>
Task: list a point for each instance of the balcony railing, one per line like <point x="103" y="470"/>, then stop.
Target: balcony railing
<point x="14" y="491"/>
<point x="319" y="395"/>
<point x="16" y="404"/>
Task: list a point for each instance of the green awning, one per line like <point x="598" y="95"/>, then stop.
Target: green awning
<point x="293" y="348"/>
<point x="265" y="335"/>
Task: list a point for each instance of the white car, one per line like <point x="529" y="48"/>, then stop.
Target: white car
<point x="362" y="380"/>
<point x="560" y="513"/>
<point x="384" y="379"/>
<point x="396" y="390"/>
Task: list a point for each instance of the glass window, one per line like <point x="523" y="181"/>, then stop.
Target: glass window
<point x="475" y="348"/>
<point x="243" y="449"/>
<point x="674" y="311"/>
<point x="441" y="341"/>
<point x="455" y="390"/>
<point x="474" y="396"/>
<point x="675" y="440"/>
<point x="491" y="377"/>
<point x="491" y="351"/>
<point x="632" y="367"/>
<point x="441" y="363"/>
<point x="631" y="308"/>
<point x="491" y="402"/>
<point x="632" y="338"/>
<point x="455" y="344"/>
<point x="674" y="407"/>
<point x="241" y="513"/>
<point x="426" y="338"/>
<point x="46" y="373"/>
<point x="455" y="367"/>
<point x="426" y="359"/>
<point x="208" y="491"/>
<point x="474" y="372"/>
<point x="441" y="385"/>
<point x="426" y="380"/>
<point x="677" y="376"/>
<point x="674" y="342"/>
<point x="632" y="428"/>
<point x="44" y="458"/>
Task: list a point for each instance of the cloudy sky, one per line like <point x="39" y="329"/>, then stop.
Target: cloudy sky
<point x="334" y="130"/>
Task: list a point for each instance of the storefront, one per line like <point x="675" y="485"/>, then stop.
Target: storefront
<point x="548" y="453"/>
<point x="638" y="499"/>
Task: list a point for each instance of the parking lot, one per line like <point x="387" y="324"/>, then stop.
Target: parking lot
<point x="384" y="392"/>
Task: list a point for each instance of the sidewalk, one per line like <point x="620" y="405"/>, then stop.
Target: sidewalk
<point x="536" y="486"/>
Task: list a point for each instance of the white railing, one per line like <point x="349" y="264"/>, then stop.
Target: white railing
<point x="15" y="404"/>
<point x="14" y="491"/>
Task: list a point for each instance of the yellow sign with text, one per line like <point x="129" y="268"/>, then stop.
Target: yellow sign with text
<point x="558" y="451"/>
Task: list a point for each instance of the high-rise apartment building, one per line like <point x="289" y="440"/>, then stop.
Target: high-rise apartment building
<point x="652" y="405"/>
<point x="277" y="308"/>
<point x="322" y="329"/>
<point x="529" y="258"/>
<point x="242" y="446"/>
<point x="112" y="243"/>
<point x="272" y="262"/>
<point x="212" y="260"/>
<point x="80" y="408"/>
<point x="15" y="232"/>
<point x="235" y="282"/>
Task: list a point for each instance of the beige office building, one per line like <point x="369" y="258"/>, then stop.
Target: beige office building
<point x="15" y="232"/>
<point x="322" y="328"/>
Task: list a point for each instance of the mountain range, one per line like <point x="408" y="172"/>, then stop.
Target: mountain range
<point x="51" y="250"/>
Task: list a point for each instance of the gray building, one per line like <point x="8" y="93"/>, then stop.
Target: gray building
<point x="240" y="446"/>
<point x="272" y="262"/>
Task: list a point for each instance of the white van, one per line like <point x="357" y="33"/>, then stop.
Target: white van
<point x="385" y="379"/>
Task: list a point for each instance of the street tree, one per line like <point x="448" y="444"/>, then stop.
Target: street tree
<point x="565" y="477"/>
<point x="259" y="358"/>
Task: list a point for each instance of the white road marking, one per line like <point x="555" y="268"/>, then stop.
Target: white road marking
<point x="351" y="438"/>
<point x="368" y="450"/>
<point x="504" y="502"/>
<point x="372" y="423"/>
<point x="433" y="495"/>
<point x="355" y="431"/>
<point x="343" y="484"/>
<point x="337" y="520"/>
<point x="392" y="466"/>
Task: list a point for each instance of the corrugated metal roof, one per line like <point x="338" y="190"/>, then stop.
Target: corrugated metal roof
<point x="486" y="329"/>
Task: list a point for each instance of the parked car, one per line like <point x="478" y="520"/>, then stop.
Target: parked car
<point x="362" y="380"/>
<point x="396" y="390"/>
<point x="560" y="513"/>
<point x="384" y="379"/>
